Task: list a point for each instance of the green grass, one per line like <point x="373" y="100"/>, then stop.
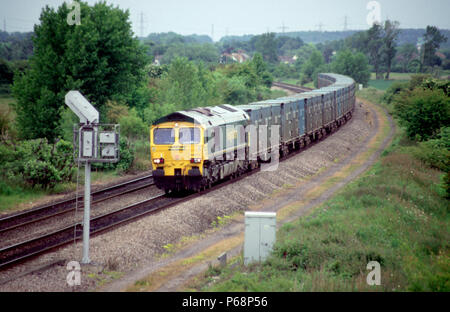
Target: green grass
<point x="394" y="214"/>
<point x="383" y="84"/>
<point x="288" y="80"/>
<point x="13" y="195"/>
<point x="310" y="85"/>
<point x="395" y="76"/>
<point x="278" y="93"/>
<point x="371" y="94"/>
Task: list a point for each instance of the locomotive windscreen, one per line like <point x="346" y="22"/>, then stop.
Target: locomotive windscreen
<point x="164" y="136"/>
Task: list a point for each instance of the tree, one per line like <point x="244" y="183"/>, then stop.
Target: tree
<point x="260" y="69"/>
<point x="353" y="65"/>
<point x="286" y="44"/>
<point x="375" y="48"/>
<point x="311" y="67"/>
<point x="266" y="44"/>
<point x="423" y="112"/>
<point x="433" y="39"/>
<point x="100" y="58"/>
<point x="391" y="33"/>
<point x="406" y="53"/>
<point x="303" y="54"/>
<point x="6" y="72"/>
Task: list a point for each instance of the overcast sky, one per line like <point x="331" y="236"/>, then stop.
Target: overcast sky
<point x="237" y="17"/>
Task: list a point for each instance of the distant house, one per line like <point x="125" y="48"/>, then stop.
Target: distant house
<point x="157" y="61"/>
<point x="240" y="57"/>
<point x="287" y="59"/>
<point x="440" y="55"/>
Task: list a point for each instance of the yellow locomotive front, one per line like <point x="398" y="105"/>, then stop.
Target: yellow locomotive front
<point x="192" y="149"/>
<point x="177" y="155"/>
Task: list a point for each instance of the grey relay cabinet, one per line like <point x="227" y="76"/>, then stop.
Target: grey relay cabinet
<point x="260" y="233"/>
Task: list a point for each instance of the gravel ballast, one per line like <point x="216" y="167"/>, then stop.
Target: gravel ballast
<point x="122" y="250"/>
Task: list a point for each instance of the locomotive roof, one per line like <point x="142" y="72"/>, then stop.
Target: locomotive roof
<point x="208" y="116"/>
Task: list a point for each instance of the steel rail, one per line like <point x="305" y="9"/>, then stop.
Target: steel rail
<point x="21" y="251"/>
<point x="291" y="87"/>
<point x="41" y="213"/>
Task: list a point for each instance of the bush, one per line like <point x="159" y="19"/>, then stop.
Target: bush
<point x="132" y="126"/>
<point x="353" y="65"/>
<point x="422" y="112"/>
<point x="37" y="162"/>
<point x="126" y="155"/>
<point x="393" y="90"/>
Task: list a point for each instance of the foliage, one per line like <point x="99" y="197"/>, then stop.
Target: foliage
<point x="433" y="39"/>
<point x="7" y="124"/>
<point x="99" y="57"/>
<point x="405" y="56"/>
<point x="422" y="112"/>
<point x="353" y="65"/>
<point x="375" y="48"/>
<point x="391" y="32"/>
<point x="436" y="152"/>
<point x="37" y="162"/>
<point x="132" y="126"/>
<point x="285" y="44"/>
<point x="206" y="53"/>
<point x="284" y="71"/>
<point x="266" y="44"/>
<point x="303" y="55"/>
<point x="394" y="90"/>
<point x="127" y="155"/>
<point x="16" y="46"/>
<point x="312" y="67"/>
<point x="6" y="72"/>
<point x="186" y="85"/>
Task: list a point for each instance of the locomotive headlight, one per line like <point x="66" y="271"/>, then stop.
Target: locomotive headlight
<point x="196" y="160"/>
<point x="158" y="161"/>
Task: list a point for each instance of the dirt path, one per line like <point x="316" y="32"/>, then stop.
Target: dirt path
<point x="175" y="272"/>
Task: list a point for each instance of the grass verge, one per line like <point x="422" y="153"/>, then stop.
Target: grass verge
<point x="394" y="214"/>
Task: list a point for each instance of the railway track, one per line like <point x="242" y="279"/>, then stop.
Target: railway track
<point x="19" y="252"/>
<point x="55" y="209"/>
<point x="291" y="87"/>
<point x="24" y="250"/>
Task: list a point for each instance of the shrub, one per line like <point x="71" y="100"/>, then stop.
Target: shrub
<point x="37" y="162"/>
<point x="436" y="152"/>
<point x="422" y="112"/>
<point x="393" y="90"/>
<point x="132" y="126"/>
<point x="126" y="155"/>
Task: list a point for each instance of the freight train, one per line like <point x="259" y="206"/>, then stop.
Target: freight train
<point x="193" y="149"/>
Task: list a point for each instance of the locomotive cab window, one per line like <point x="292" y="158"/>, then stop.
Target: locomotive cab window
<point x="164" y="136"/>
<point x="189" y="136"/>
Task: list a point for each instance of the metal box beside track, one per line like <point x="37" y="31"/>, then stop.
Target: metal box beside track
<point x="260" y="235"/>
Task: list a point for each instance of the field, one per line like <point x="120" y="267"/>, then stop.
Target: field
<point x="382" y="84"/>
<point x="395" y="76"/>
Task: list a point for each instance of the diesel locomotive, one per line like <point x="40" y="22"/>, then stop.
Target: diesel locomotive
<point x="192" y="149"/>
